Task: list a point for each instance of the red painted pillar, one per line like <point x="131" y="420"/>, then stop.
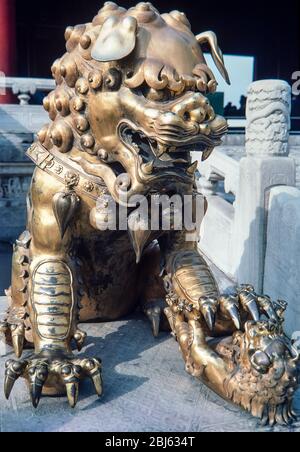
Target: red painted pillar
<point x="7" y="43"/>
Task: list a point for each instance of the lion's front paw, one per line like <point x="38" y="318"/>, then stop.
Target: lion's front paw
<point x="245" y="305"/>
<point x="53" y="375"/>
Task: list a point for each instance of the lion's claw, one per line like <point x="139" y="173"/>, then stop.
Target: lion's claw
<point x="267" y="307"/>
<point x="37" y="377"/>
<point x="17" y="335"/>
<point x="154" y="311"/>
<point x="230" y="307"/>
<point x="71" y="375"/>
<point x="208" y="308"/>
<point x="246" y="301"/>
<point x="80" y="337"/>
<point x="249" y="303"/>
<point x="42" y="372"/>
<point x="92" y="367"/>
<point x="13" y="371"/>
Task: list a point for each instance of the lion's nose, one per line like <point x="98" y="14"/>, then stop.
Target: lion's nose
<point x="172" y="123"/>
<point x="171" y="119"/>
<point x="196" y="108"/>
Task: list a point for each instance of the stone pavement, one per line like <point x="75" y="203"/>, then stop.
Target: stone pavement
<point x="146" y="389"/>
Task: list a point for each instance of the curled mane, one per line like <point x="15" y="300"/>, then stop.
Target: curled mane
<point x="76" y="73"/>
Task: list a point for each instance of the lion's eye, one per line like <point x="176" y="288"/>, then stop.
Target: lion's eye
<point x="155" y="95"/>
<point x="158" y="95"/>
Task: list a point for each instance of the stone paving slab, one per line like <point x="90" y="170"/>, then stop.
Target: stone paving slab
<point x="146" y="390"/>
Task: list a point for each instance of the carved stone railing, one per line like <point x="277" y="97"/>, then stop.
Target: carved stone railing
<point x="255" y="238"/>
<point x="217" y="228"/>
<point x="15" y="180"/>
<point x="266" y="165"/>
<point x="25" y="119"/>
<point x="234" y="234"/>
<point x="25" y="88"/>
<point x="18" y="125"/>
<point x="219" y="167"/>
<point x="14" y="184"/>
<point x="282" y="257"/>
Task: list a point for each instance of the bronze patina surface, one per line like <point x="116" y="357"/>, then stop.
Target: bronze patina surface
<point x="129" y="107"/>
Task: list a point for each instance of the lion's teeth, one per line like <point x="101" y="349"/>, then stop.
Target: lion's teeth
<point x="205" y="129"/>
<point x="206" y="154"/>
<point x="192" y="169"/>
<point x="161" y="149"/>
<point x="148" y="167"/>
<point x="166" y="158"/>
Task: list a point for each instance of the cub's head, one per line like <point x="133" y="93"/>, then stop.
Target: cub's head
<point x="264" y="370"/>
<point x="131" y="97"/>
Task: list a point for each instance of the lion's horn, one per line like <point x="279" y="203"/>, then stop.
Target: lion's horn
<point x="211" y="38"/>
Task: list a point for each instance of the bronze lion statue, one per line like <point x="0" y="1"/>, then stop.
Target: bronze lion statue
<point x="129" y="107"/>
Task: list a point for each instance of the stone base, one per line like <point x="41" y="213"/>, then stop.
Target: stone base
<point x="146" y="389"/>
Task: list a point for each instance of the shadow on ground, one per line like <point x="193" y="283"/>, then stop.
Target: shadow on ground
<point x="146" y="389"/>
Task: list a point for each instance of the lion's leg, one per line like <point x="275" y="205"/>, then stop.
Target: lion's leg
<point x="52" y="306"/>
<point x="189" y="277"/>
<point x="152" y="293"/>
<point x="243" y="367"/>
<point x="187" y="280"/>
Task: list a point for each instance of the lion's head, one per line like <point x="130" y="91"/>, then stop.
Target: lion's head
<point x="130" y="102"/>
<point x="263" y="363"/>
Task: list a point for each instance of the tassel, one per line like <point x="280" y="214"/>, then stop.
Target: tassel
<point x="65" y="205"/>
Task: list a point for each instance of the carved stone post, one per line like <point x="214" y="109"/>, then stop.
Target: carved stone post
<point x="266" y="165"/>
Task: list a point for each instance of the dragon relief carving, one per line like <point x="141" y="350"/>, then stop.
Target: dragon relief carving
<point x="129" y="107"/>
<point x="268" y="121"/>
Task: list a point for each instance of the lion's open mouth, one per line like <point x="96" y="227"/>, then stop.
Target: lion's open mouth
<point x="158" y="154"/>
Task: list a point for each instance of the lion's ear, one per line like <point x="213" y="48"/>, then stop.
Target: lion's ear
<point x="211" y="38"/>
<point x="117" y="39"/>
